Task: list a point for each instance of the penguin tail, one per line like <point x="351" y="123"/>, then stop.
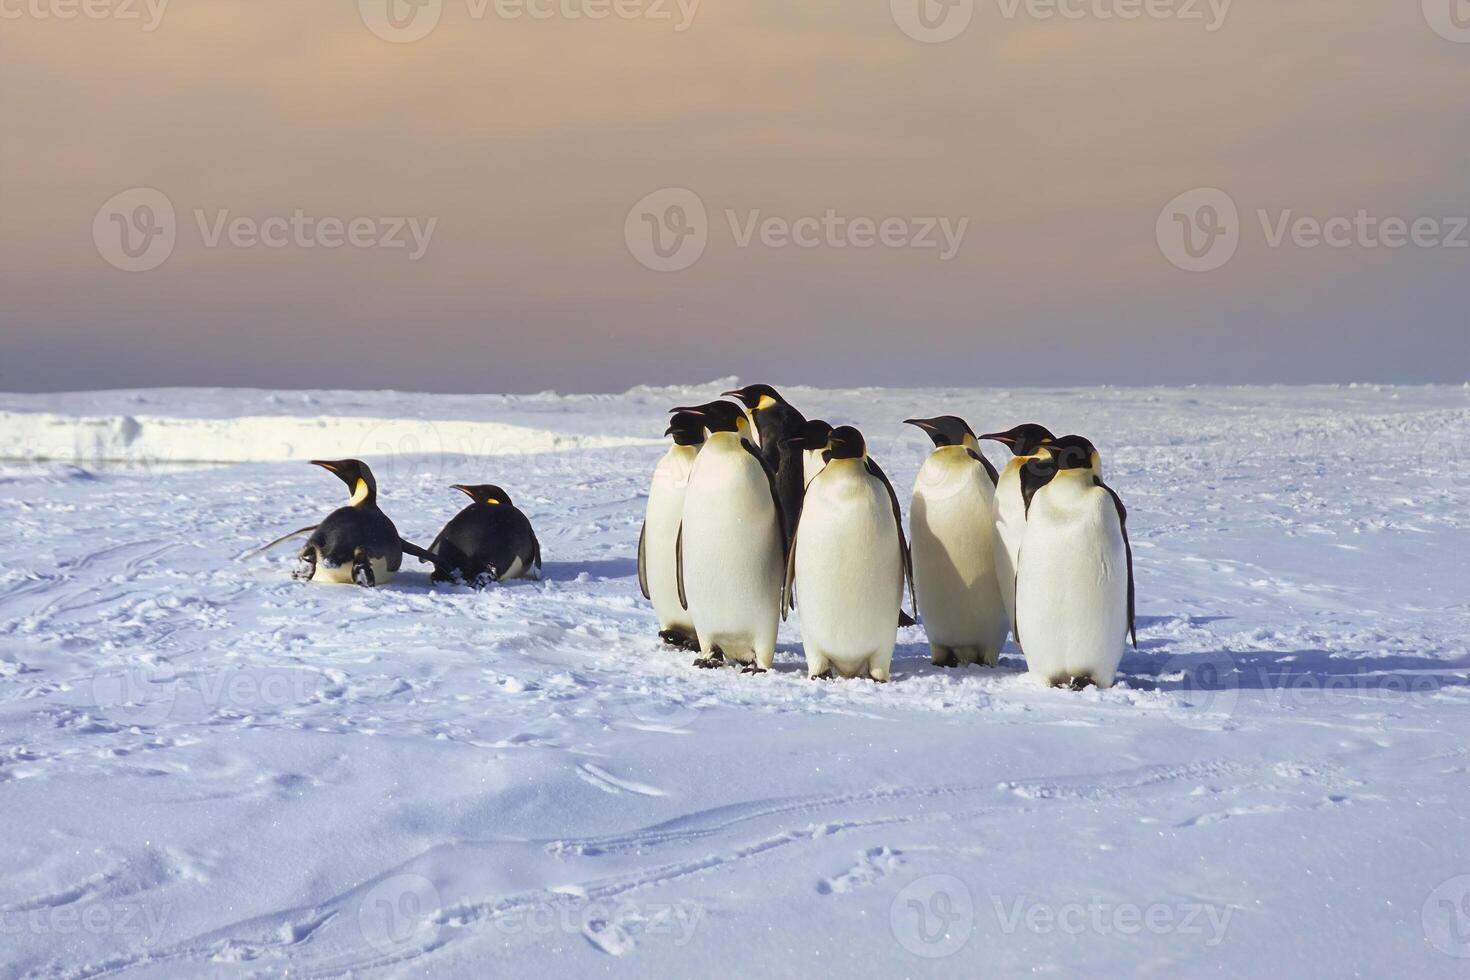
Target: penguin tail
<point x="281" y="540"/>
<point x="422" y="555"/>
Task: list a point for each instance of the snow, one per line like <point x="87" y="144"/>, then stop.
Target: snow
<point x="208" y="769"/>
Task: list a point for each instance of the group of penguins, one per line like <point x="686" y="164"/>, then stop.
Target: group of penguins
<point x="756" y="510"/>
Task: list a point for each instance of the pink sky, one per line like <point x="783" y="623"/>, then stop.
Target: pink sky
<point x="527" y="141"/>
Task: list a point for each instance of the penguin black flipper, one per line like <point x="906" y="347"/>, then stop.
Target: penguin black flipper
<point x="536" y="553"/>
<point x="989" y="467"/>
<point x="786" y="533"/>
<point x="281" y="540"/>
<point x="1128" y="550"/>
<point x="788" y="586"/>
<point x="643" y="561"/>
<point x="679" y="567"/>
<point x="903" y="543"/>
<point x="422" y="554"/>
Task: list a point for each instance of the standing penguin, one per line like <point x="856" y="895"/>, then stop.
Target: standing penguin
<point x="775" y="422"/>
<point x="732" y="545"/>
<point x="953" y="540"/>
<point x="488" y="541"/>
<point x="658" y="573"/>
<point x="812" y="443"/>
<point x="1026" y="442"/>
<point x="849" y="563"/>
<point x="1074" y="576"/>
<point x="356" y="543"/>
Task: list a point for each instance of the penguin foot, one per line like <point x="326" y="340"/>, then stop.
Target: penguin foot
<point x="752" y="669"/>
<point x="942" y="657"/>
<point x="362" y="573"/>
<point x="1082" y="683"/>
<point x="484" y="580"/>
<point x="676" y="638"/>
<point x="305" y="568"/>
<point x="715" y="659"/>
<point x="825" y="675"/>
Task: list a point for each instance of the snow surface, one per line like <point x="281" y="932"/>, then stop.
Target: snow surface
<point x="207" y="769"/>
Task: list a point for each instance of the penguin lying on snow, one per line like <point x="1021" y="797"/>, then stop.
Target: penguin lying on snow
<point x="488" y="541"/>
<point x="1074" y="575"/>
<point x="356" y="543"/>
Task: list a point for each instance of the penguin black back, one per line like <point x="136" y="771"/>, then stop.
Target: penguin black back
<point x="490" y="538"/>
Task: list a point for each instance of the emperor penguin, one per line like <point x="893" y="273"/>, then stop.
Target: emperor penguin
<point x="1074" y="576"/>
<point x="849" y="563"/>
<point x="1026" y="442"/>
<point x="732" y="544"/>
<point x="356" y="543"/>
<point x="658" y="574"/>
<point x="775" y="422"/>
<point x="812" y="443"/>
<point x="491" y="540"/>
<point x="953" y="540"/>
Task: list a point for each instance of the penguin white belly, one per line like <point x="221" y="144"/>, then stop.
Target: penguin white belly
<point x="342" y="574"/>
<point x="811" y="464"/>
<point x="733" y="567"/>
<point x="661" y="534"/>
<point x="953" y="541"/>
<point x="1010" y="529"/>
<point x="849" y="573"/>
<point x="1072" y="585"/>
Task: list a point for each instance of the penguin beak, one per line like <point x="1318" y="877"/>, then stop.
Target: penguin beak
<point x="691" y="409"/>
<point x="1000" y="437"/>
<point x="925" y="424"/>
<point x="462" y="489"/>
<point x="329" y="467"/>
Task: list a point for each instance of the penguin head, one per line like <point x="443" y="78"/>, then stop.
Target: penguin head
<point x="1074" y="453"/>
<point x="845" y="442"/>
<point x="483" y="493"/>
<point x="813" y="435"/>
<point x="947" y="430"/>
<point x="686" y="428"/>
<point x="718" y="416"/>
<point x="357" y="476"/>
<point x="756" y="397"/>
<point x="1024" y="440"/>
